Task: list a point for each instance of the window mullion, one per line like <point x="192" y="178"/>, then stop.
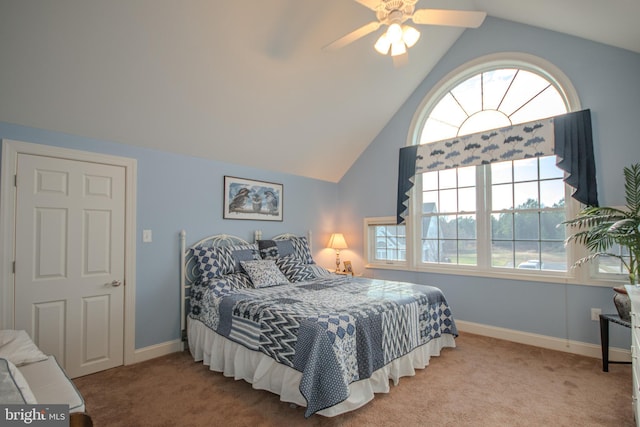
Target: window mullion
<point x="483" y="216"/>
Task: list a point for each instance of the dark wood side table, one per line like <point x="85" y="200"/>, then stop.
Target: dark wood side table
<point x="604" y="337"/>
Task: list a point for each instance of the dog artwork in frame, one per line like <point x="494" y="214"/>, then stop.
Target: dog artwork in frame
<point x="252" y="200"/>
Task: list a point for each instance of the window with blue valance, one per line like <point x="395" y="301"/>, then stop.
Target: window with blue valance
<point x="568" y="136"/>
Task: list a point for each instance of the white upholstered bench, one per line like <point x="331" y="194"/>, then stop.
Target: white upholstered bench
<point x="38" y="378"/>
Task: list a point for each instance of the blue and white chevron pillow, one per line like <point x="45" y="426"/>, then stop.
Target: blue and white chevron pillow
<point x="297" y="270"/>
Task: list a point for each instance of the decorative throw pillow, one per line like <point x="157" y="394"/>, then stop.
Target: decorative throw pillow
<point x="319" y="271"/>
<point x="218" y="261"/>
<point x="302" y="250"/>
<point x="268" y="249"/>
<point x="294" y="269"/>
<point x="296" y="246"/>
<point x="264" y="273"/>
<point x="18" y="348"/>
<point x="243" y="253"/>
<point x="208" y="262"/>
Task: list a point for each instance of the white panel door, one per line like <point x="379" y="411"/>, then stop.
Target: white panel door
<point x="69" y="290"/>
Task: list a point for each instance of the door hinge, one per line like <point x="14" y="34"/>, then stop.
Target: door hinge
<point x="14" y="267"/>
<point x="15" y="180"/>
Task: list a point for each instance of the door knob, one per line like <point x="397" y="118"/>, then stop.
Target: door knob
<point x="116" y="283"/>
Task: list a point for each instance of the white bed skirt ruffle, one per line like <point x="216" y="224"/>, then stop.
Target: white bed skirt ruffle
<point x="264" y="373"/>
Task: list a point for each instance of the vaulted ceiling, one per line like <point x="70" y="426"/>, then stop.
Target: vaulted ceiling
<point x="242" y="82"/>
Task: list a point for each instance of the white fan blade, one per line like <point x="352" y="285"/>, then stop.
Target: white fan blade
<point x="353" y="36"/>
<point x="453" y="18"/>
<point x="371" y="4"/>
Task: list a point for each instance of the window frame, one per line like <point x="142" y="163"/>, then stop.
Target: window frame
<point x="540" y="210"/>
<point x="370" y="244"/>
<point x="484" y="268"/>
<point x="581" y="275"/>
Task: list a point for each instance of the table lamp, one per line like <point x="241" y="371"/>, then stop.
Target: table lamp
<point x="337" y="242"/>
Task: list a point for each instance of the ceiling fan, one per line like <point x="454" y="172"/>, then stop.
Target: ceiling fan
<point x="400" y="36"/>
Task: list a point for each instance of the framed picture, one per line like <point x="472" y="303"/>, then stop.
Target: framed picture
<point x="347" y="267"/>
<point x="250" y="199"/>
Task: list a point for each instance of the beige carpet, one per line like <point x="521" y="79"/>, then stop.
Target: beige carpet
<point x="482" y="382"/>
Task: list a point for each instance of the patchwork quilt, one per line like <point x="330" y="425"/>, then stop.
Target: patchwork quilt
<point x="334" y="330"/>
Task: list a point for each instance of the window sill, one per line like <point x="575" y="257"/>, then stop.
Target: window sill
<point x="399" y="267"/>
<point x="541" y="276"/>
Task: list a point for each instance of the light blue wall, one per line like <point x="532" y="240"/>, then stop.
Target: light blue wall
<point x="606" y="80"/>
<point x="178" y="192"/>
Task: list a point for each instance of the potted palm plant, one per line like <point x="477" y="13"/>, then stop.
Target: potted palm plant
<point x="601" y="228"/>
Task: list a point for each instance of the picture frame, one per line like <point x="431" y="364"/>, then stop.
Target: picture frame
<point x="347" y="267"/>
<point x="251" y="199"/>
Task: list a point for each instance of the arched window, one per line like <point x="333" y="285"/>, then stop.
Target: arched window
<point x="503" y="216"/>
<point x="492" y="99"/>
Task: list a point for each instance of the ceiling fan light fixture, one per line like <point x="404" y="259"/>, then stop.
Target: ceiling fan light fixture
<point x="398" y="48"/>
<point x="398" y="37"/>
<point x="410" y="35"/>
<point x="383" y="44"/>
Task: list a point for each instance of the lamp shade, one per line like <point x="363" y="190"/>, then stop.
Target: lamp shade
<point x="383" y="44"/>
<point x="410" y="35"/>
<point x="336" y="241"/>
<point x="398" y="48"/>
<point x="394" y="33"/>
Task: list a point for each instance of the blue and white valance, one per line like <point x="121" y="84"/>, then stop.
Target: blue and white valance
<point x="567" y="136"/>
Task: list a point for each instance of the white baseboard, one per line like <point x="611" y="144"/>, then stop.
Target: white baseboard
<point x="552" y="343"/>
<point x="157" y="350"/>
<point x="544" y="341"/>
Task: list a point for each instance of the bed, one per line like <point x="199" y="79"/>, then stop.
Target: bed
<point x="264" y="312"/>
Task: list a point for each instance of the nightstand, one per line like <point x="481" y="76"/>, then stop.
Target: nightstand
<point x="344" y="273"/>
<point x="604" y="337"/>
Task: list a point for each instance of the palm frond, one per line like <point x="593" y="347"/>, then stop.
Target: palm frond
<point x="601" y="244"/>
<point x="625" y="226"/>
<point x="591" y="216"/>
<point x="632" y="187"/>
<point x="592" y="257"/>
